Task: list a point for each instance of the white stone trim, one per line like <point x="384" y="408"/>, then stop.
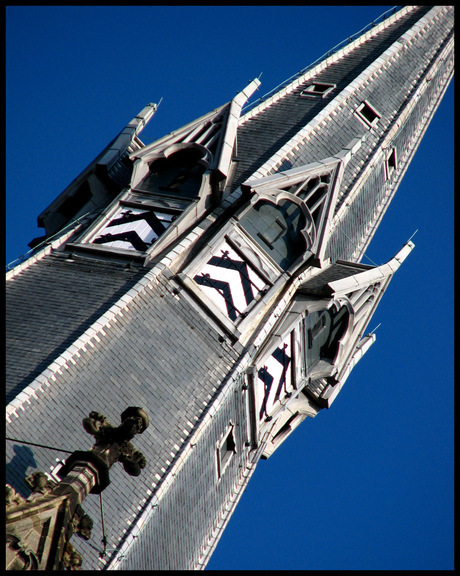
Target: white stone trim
<point x="167" y="481"/>
<point x="228" y="143"/>
<point x="41" y="253"/>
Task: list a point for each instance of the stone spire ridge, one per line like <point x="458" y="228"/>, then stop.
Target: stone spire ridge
<point x="346" y="46"/>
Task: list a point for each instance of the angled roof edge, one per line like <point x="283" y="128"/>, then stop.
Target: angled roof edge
<point x="287" y="177"/>
<point x="312" y="70"/>
<point x="359" y="350"/>
<point x="111" y="153"/>
<point x="132" y="130"/>
<point x="293" y="175"/>
<point x="389" y="136"/>
<point x="179" y="460"/>
<point x="405" y="156"/>
<point x="231" y="110"/>
<point x="357" y="344"/>
<point x="45" y="378"/>
<point x="367" y="277"/>
<point x="41" y="251"/>
<point x="169" y="139"/>
<point x="274" y="162"/>
<point x="234" y="113"/>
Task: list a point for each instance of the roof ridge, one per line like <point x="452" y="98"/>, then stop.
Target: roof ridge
<point x="344" y="47"/>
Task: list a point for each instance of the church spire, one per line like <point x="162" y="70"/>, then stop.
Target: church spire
<point x="219" y="281"/>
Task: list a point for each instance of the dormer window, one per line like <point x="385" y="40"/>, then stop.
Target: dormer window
<point x="317" y="89"/>
<point x="166" y="188"/>
<point x="367" y="114"/>
<point x="230" y="282"/>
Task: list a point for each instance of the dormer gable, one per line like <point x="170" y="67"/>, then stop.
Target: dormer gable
<point x="291" y="211"/>
<point x="303" y="363"/>
<point x="357" y="295"/>
<point x="214" y="134"/>
<point x="175" y="182"/>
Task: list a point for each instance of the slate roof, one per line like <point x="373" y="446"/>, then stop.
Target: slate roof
<point x="157" y="353"/>
<point x="50" y="304"/>
<point x="369" y="71"/>
<point x="336" y="271"/>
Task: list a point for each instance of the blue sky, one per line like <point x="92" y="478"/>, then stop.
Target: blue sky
<point x="367" y="484"/>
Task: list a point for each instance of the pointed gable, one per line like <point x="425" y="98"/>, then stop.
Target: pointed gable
<point x="292" y="210"/>
<point x="359" y="293"/>
<point x="214" y="134"/>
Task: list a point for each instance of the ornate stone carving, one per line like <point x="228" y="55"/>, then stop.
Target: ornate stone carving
<point x="13" y="499"/>
<point x="39" y="528"/>
<point x="71" y="559"/>
<point x="114" y="442"/>
<point x="18" y="556"/>
<point x="40" y="485"/>
<point x="81" y="524"/>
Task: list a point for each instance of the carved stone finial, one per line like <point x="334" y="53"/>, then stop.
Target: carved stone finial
<point x="133" y="421"/>
<point x="40" y="485"/>
<point x="115" y="441"/>
<point x="13" y="498"/>
<point x="71" y="559"/>
<point x="53" y="511"/>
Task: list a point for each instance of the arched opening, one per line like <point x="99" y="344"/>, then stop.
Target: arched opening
<point x="277" y="228"/>
<point x="177" y="175"/>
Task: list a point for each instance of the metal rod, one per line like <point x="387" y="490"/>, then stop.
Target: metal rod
<point x="104" y="538"/>
<point x="39" y="445"/>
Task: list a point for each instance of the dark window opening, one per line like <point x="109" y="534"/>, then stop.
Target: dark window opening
<point x="391" y="163"/>
<point x="339" y="325"/>
<point x="178" y="175"/>
<point x="225" y="452"/>
<point x="317" y="197"/>
<point x="323" y="332"/>
<point x="317" y="89"/>
<point x="314" y="194"/>
<point x="72" y="204"/>
<point x="368" y="114"/>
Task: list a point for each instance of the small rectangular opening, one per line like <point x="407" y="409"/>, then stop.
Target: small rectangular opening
<point x="225" y="451"/>
<point x="391" y="163"/>
<point x="317" y="89"/>
<point x="367" y="114"/>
